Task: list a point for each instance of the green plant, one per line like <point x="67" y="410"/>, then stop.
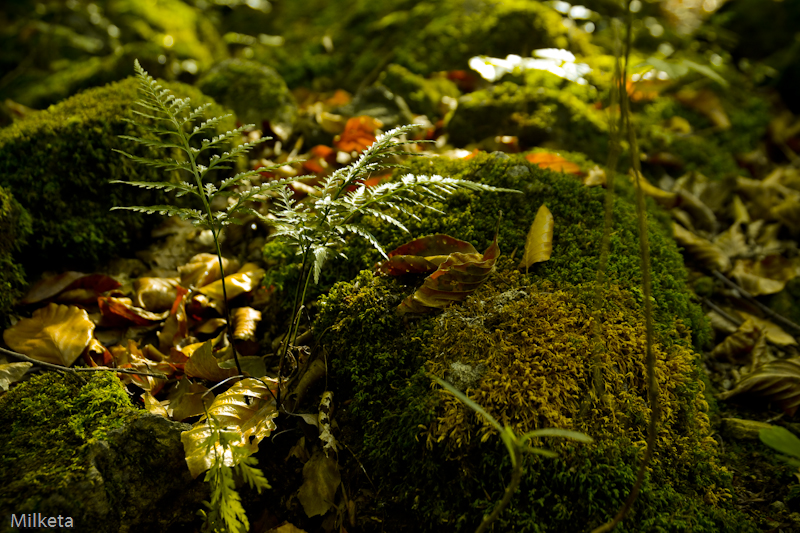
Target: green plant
<point x="784" y="441"/>
<point x="516" y="445"/>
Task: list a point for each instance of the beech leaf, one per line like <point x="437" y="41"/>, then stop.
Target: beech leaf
<point x="703" y="250"/>
<point x="539" y="242"/>
<point x="55" y="334"/>
<point x="321" y="479"/>
<point x="155" y="294"/>
<point x="83" y="287"/>
<point x="423" y="255"/>
<point x="203" y="364"/>
<point x="11" y="373"/>
<point x="202" y="269"/>
<point x="777" y="381"/>
<point x="247" y="279"/>
<point x="554" y="162"/>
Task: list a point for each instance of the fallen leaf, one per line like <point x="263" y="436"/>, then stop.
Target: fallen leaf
<point x="539" y="242"/>
<point x="203" y="364"/>
<point x="11" y="373"/>
<point x="321" y="479"/>
<point x="739" y="343"/>
<point x="703" y="250"/>
<point x="775" y="333"/>
<point x="186" y="399"/>
<point x="596" y="177"/>
<point x="86" y="286"/>
<point x="155" y="294"/>
<point x="245" y="280"/>
<point x="154" y="406"/>
<point x="123" y="308"/>
<point x="554" y="162"/>
<point x="358" y="134"/>
<point x="245" y="321"/>
<point x="754" y="284"/>
<point x="202" y="269"/>
<point x="777" y="381"/>
<point x="707" y="104"/>
<point x="55" y="334"/>
<point x="423" y="255"/>
<point x="176" y="327"/>
<point x="664" y="198"/>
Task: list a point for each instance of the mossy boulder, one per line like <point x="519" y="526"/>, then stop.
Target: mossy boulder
<point x="74" y="47"/>
<point x="543" y="109"/>
<point x="255" y="92"/>
<point x="423" y="95"/>
<point x="81" y="450"/>
<point x="536" y="360"/>
<point x="364" y="37"/>
<point x="15" y="228"/>
<point x="58" y="164"/>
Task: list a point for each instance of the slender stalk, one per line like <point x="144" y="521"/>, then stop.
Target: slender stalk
<point x="516" y="477"/>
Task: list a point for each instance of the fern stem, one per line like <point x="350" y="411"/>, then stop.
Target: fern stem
<point x="516" y="477"/>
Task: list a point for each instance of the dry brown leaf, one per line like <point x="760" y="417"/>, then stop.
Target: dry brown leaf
<point x="71" y="286"/>
<point x="554" y="162"/>
<point x="202" y="269"/>
<point x="739" y="344"/>
<point x="186" y="399"/>
<point x="245" y="280"/>
<point x="775" y="334"/>
<point x="176" y="326"/>
<point x="539" y="242"/>
<point x="245" y="321"/>
<point x="777" y="381"/>
<point x="664" y="198"/>
<point x="120" y="311"/>
<point x="155" y="294"/>
<point x="321" y="479"/>
<point x="703" y="250"/>
<point x="732" y="241"/>
<point x="754" y="284"/>
<point x="55" y="334"/>
<point x="203" y="364"/>
<point x="154" y="406"/>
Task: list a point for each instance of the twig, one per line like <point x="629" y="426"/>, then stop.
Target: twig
<point x="80" y="369"/>
<point x="749" y="297"/>
<point x="732" y="319"/>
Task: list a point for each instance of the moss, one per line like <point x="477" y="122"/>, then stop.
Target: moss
<point x="15" y="228"/>
<point x="423" y="37"/>
<point x="255" y="92"/>
<point x="535" y="340"/>
<point x="545" y="109"/>
<point x="48" y="423"/>
<point x="58" y="164"/>
<point x="423" y="96"/>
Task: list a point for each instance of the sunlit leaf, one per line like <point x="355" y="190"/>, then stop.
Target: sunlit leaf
<point x="703" y="250"/>
<point x="186" y="399"/>
<point x="210" y="326"/>
<point x="11" y="373"/>
<point x="777" y="381"/>
<point x="321" y="479"/>
<point x="245" y="322"/>
<point x="137" y="359"/>
<point x="154" y="406"/>
<point x="245" y="280"/>
<point x="203" y="364"/>
<point x="358" y="134"/>
<point x="247" y="410"/>
<point x="175" y="328"/>
<point x="123" y="308"/>
<point x="554" y="162"/>
<point x="454" y="280"/>
<point x="423" y="255"/>
<point x="155" y="294"/>
<point x="202" y="269"/>
<point x="55" y="334"/>
<point x="539" y="242"/>
<point x="775" y="333"/>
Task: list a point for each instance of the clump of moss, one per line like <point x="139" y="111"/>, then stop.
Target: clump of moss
<point x="48" y="423"/>
<point x="254" y="91"/>
<point x="535" y="342"/>
<point x="423" y="96"/>
<point x="58" y="164"/>
<point x="15" y="228"/>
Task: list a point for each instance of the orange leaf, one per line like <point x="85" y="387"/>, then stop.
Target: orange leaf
<point x="423" y="255"/>
<point x="554" y="162"/>
<point x="539" y="242"/>
<point x="88" y="287"/>
<point x="122" y="308"/>
<point x="358" y="134"/>
<point x="55" y="334"/>
<point x="155" y="294"/>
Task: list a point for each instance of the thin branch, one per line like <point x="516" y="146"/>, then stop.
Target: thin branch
<point x="62" y="368"/>
<point x="750" y="298"/>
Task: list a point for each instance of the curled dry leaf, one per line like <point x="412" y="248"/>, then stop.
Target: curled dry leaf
<point x="738" y="344"/>
<point x="664" y="198"/>
<point x="176" y="327"/>
<point x="554" y="162"/>
<point x="753" y="283"/>
<point x="423" y="255"/>
<point x="11" y="373"/>
<point x="247" y="279"/>
<point x="777" y="381"/>
<point x="203" y="364"/>
<point x="154" y="406"/>
<point x="454" y="280"/>
<point x="202" y="269"/>
<point x="703" y="250"/>
<point x="247" y="411"/>
<point x="72" y="286"/>
<point x="539" y="242"/>
<point x="596" y="177"/>
<point x="321" y="479"/>
<point x="245" y="321"/>
<point x="358" y="134"/>
<point x="187" y="399"/>
<point x="775" y="334"/>
<point x="121" y="310"/>
<point x="155" y="294"/>
<point x="55" y="334"/>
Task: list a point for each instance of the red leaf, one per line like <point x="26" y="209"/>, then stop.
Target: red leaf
<point x="423" y="255"/>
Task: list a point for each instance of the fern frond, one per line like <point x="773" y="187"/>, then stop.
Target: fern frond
<point x="184" y="187"/>
<point x="152" y="142"/>
<point x="253" y="476"/>
<point x="362" y="232"/>
<point x="166" y="210"/>
<point x="168" y="165"/>
<point x="198" y="113"/>
<point x="320" y="255"/>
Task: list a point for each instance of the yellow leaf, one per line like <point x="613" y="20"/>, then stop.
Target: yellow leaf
<point x="539" y="242"/>
<point x="321" y="478"/>
<point x="739" y="343"/>
<point x="154" y="406"/>
<point x="203" y="364"/>
<point x="247" y="279"/>
<point x="245" y="320"/>
<point x="55" y="334"/>
<point x="753" y="283"/>
<point x="775" y="333"/>
<point x="666" y="199"/>
<point x="202" y="269"/>
<point x="703" y="250"/>
<point x="186" y="399"/>
<point x="777" y="381"/>
<point x="155" y="294"/>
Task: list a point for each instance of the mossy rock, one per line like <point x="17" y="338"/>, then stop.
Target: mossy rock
<point x="255" y="92"/>
<point x="15" y="228"/>
<point x="89" y="47"/>
<point x="423" y="95"/>
<point x="81" y="450"/>
<point x="58" y="164"/>
<point x="543" y="109"/>
<point x="423" y="37"/>
<point x="529" y="342"/>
